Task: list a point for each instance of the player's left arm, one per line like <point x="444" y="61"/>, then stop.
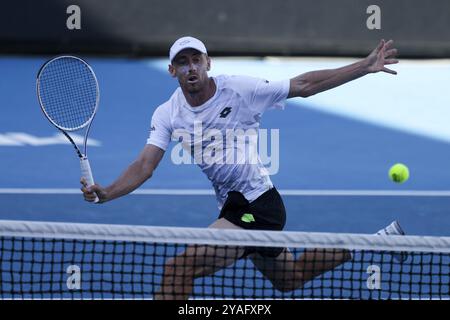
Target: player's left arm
<point x="313" y="82"/>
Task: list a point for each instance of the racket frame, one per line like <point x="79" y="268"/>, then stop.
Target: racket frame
<point x="87" y="123"/>
<point x="85" y="167"/>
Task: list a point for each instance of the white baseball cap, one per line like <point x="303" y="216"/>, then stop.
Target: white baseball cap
<point x="185" y="43"/>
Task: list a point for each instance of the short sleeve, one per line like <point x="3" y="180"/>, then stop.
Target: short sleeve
<point x="160" y="128"/>
<point x="270" y="94"/>
<point x="262" y="94"/>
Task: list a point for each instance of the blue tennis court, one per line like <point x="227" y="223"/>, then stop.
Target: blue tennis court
<point x="375" y="78"/>
<point x="329" y="156"/>
<point x="335" y="149"/>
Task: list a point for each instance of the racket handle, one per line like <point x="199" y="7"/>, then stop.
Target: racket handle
<point x="86" y="173"/>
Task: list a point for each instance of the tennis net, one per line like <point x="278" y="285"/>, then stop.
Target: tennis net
<point x="48" y="260"/>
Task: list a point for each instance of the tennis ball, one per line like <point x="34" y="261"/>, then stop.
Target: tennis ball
<point x="399" y="173"/>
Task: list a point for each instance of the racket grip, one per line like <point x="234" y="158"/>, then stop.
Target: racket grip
<point x="86" y="173"/>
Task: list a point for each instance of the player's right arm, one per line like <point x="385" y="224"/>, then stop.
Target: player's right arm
<point x="134" y="176"/>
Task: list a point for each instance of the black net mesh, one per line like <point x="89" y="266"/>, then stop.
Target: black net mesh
<point x="74" y="268"/>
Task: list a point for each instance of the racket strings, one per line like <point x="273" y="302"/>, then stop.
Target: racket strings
<point x="68" y="92"/>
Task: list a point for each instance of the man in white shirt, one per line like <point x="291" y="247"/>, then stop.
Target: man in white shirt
<point x="245" y="194"/>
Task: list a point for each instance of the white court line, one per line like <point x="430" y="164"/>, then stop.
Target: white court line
<point x="207" y="192"/>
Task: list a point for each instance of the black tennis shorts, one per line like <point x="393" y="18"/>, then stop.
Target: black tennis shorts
<point x="267" y="212"/>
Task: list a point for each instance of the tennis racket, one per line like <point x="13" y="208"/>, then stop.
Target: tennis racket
<point x="68" y="94"/>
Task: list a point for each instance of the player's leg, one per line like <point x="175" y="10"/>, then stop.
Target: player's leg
<point x="278" y="264"/>
<point x="197" y="261"/>
<point x="287" y="273"/>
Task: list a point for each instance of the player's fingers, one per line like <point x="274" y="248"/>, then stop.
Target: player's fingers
<point x="390" y="53"/>
<point x="388" y="44"/>
<point x="94" y="188"/>
<point x="380" y="45"/>
<point x="390" y="61"/>
<point x="90" y="198"/>
<point x="83" y="181"/>
<point x="89" y="195"/>
<point x="389" y="71"/>
<point x="83" y="184"/>
<point x="96" y="191"/>
<point x="88" y="190"/>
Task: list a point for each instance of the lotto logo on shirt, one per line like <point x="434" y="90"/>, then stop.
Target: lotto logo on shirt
<point x="206" y="147"/>
<point x="225" y="112"/>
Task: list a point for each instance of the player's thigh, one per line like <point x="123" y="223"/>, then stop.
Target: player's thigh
<point x="223" y="223"/>
<point x="277" y="268"/>
<point x="230" y="253"/>
<point x="207" y="259"/>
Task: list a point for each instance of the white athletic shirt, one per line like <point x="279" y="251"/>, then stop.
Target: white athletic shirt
<point x="238" y="103"/>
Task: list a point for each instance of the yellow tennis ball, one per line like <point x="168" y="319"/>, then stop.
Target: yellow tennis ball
<point x="399" y="173"/>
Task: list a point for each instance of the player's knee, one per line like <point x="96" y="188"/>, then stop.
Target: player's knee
<point x="347" y="255"/>
<point x="178" y="269"/>
<point x="169" y="268"/>
<point x="288" y="287"/>
<point x="288" y="284"/>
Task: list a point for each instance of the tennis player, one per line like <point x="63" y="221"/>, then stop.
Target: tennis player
<point x="246" y="196"/>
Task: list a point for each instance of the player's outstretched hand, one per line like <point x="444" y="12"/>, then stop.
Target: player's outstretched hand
<point x="384" y="54"/>
<point x="90" y="193"/>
